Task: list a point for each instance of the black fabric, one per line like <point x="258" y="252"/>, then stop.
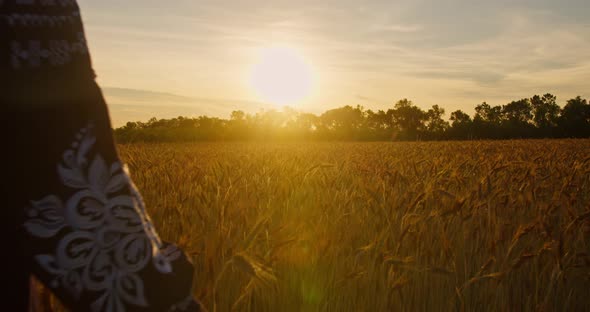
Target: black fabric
<point x="73" y="217"/>
<point x="43" y="52"/>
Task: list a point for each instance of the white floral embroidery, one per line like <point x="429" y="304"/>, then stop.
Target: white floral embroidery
<point x="59" y="52"/>
<point x="105" y="236"/>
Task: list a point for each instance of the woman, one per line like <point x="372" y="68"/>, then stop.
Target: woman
<point x="75" y="220"/>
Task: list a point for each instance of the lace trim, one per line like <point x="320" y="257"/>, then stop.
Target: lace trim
<point x="41" y="20"/>
<point x="59" y="52"/>
<point x="104" y="238"/>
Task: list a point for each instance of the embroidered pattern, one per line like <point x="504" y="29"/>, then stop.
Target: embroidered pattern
<point x="27" y="20"/>
<point x="105" y="236"/>
<point x="58" y="53"/>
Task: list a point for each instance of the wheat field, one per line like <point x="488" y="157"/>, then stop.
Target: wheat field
<point x="498" y="226"/>
<point x="445" y="226"/>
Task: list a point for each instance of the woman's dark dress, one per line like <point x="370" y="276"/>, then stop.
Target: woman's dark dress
<point x="73" y="218"/>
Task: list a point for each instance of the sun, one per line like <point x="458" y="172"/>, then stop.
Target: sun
<point x="281" y="76"/>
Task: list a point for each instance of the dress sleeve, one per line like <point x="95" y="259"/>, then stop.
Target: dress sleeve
<point x="84" y="230"/>
<point x="91" y="240"/>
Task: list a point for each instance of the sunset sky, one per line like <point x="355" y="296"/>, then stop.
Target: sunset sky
<point x="194" y="57"/>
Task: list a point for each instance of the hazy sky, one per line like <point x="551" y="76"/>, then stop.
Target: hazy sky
<point x="190" y="57"/>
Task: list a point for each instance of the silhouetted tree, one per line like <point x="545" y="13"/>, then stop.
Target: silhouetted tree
<point x="343" y="122"/>
<point x="436" y="126"/>
<point x="409" y="119"/>
<point x="459" y="117"/>
<point x="517" y="118"/>
<point x="306" y="125"/>
<point x="461" y="126"/>
<point x="538" y="116"/>
<point x="487" y="113"/>
<point x="487" y="121"/>
<point x="545" y="114"/>
<point x="379" y="125"/>
<point x="519" y="112"/>
<point x="575" y="118"/>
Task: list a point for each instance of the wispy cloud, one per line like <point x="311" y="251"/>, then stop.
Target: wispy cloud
<point x="450" y="52"/>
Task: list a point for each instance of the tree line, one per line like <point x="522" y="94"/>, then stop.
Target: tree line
<point x="535" y="117"/>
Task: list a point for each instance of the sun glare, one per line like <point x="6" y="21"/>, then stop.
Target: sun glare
<point x="281" y="76"/>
